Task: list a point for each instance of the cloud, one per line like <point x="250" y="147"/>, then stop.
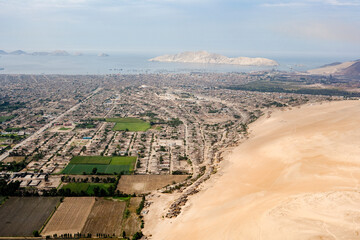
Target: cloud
<point x="284" y="4"/>
<point x="312" y="3"/>
<point x="343" y="3"/>
<point x="323" y="31"/>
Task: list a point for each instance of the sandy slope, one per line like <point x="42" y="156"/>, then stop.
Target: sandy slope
<point x="331" y="69"/>
<point x="297" y="177"/>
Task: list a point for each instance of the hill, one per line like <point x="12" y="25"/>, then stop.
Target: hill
<point x="205" y="57"/>
<point x="351" y="68"/>
<point x="17" y="52"/>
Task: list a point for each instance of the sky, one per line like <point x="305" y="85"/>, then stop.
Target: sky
<point x="243" y="27"/>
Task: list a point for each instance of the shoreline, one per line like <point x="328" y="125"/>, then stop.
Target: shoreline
<point x="175" y="226"/>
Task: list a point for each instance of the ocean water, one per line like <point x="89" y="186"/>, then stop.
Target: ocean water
<point x="138" y="63"/>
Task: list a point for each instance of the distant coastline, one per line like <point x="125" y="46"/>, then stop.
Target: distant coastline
<point x="206" y="57"/>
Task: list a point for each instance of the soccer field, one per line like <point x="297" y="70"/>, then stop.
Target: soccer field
<point x="129" y="124"/>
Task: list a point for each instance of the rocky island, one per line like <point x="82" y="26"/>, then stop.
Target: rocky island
<point x="206" y="57"/>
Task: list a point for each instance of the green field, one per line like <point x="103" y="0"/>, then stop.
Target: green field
<point x="129" y="124"/>
<point x="64" y="129"/>
<point x="5" y="118"/>
<point x="101" y="169"/>
<point x="103" y="165"/>
<point x="91" y="160"/>
<point x="86" y="187"/>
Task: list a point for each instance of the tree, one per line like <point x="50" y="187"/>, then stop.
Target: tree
<point x="137" y="236"/>
<point x="36" y="233"/>
<point x="94" y="170"/>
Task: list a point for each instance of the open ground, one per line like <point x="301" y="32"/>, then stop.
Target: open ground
<point x="141" y="184"/>
<point x="297" y="177"/>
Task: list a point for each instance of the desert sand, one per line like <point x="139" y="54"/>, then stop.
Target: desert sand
<point x="297" y="177"/>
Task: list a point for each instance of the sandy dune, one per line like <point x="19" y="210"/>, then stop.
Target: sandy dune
<point x="297" y="177"/>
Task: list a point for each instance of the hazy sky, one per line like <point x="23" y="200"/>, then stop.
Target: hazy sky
<point x="248" y="27"/>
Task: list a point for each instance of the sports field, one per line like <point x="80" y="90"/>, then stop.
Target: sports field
<point x="103" y="165"/>
<point x="86" y="187"/>
<point x="129" y="124"/>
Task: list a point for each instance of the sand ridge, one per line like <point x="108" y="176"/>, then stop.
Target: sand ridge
<point x="297" y="177"/>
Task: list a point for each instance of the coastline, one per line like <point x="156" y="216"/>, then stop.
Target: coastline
<point x="207" y="214"/>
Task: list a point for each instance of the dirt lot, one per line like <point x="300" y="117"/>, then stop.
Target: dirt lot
<point x="146" y="183"/>
<point x="70" y="217"/>
<point x="132" y="223"/>
<point x="22" y="216"/>
<point x="105" y="217"/>
<point x="12" y="159"/>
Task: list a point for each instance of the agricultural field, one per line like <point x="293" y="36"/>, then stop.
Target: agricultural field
<point x="91" y="215"/>
<point x="129" y="124"/>
<point x="141" y="184"/>
<point x="105" y="217"/>
<point x="90" y="160"/>
<point x="100" y="164"/>
<point x="87" y="188"/>
<point x="21" y="216"/>
<point x="70" y="217"/>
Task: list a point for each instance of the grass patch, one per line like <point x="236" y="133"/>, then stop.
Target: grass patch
<point x="2" y="199"/>
<point x="119" y="198"/>
<point x="64" y="129"/>
<point x="88" y="188"/>
<point x="129" y="124"/>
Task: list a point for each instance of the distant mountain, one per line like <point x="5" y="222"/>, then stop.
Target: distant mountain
<point x="2" y="52"/>
<point x="18" y="52"/>
<point x="59" y="53"/>
<point x="103" y="55"/>
<point x="351" y="68"/>
<point x="205" y="57"/>
<point x="40" y="53"/>
<point x="331" y="64"/>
